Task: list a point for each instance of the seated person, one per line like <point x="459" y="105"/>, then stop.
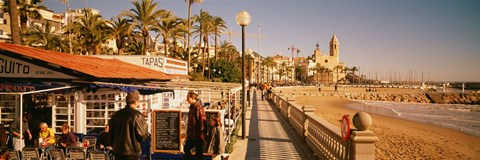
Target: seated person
<point x="46" y="136"/>
<point x="3" y="136"/>
<point x="103" y="140"/>
<point x="67" y="138"/>
<point x="4" y="154"/>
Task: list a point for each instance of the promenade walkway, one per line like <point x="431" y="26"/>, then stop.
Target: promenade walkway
<point x="269" y="136"/>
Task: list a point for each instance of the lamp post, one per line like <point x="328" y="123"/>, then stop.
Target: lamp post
<point x="243" y="19"/>
<point x="259" y="57"/>
<point x="249" y="62"/>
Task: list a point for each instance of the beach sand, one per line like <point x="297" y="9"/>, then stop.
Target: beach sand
<point x="398" y="138"/>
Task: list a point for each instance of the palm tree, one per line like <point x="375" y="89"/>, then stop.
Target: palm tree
<point x="328" y="71"/>
<point x="121" y="31"/>
<point x="135" y="47"/>
<point x="218" y="25"/>
<point x="14" y="25"/>
<point x="144" y="16"/>
<point x="337" y="68"/>
<point x="190" y="2"/>
<point x="166" y="27"/>
<point x="226" y="50"/>
<point x="203" y="29"/>
<point x="29" y="9"/>
<point x="353" y="69"/>
<point x="44" y="37"/>
<point x="300" y="73"/>
<point x="283" y="70"/>
<point x="179" y="33"/>
<point x="92" y="30"/>
<point x="269" y="63"/>
<point x="318" y="69"/>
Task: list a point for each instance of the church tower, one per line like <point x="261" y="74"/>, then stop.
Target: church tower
<point x="317" y="54"/>
<point x="334" y="46"/>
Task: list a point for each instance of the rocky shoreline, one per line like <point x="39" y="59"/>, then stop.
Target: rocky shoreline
<point x="436" y="97"/>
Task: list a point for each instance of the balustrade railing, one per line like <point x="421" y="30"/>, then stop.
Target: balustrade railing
<point x="322" y="137"/>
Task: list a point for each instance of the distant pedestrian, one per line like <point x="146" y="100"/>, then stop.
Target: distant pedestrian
<point x="128" y="129"/>
<point x="264" y="88"/>
<point x="18" y="137"/>
<point x="195" y="127"/>
<point x="336" y="86"/>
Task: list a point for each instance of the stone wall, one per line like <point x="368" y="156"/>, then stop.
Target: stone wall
<point x="442" y="98"/>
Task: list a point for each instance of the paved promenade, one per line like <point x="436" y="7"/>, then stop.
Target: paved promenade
<point x="269" y="136"/>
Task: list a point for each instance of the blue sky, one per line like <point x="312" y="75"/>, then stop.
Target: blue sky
<point x="439" y="38"/>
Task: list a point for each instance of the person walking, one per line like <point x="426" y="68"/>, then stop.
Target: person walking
<point x="18" y="139"/>
<point x="264" y="88"/>
<point x="195" y="127"/>
<point x="128" y="129"/>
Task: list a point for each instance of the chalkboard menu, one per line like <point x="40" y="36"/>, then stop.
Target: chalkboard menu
<point x="166" y="130"/>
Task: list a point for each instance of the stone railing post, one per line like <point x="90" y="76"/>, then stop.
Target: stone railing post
<point x="363" y="140"/>
<point x="289" y="106"/>
<point x="306" y="110"/>
<point x="278" y="99"/>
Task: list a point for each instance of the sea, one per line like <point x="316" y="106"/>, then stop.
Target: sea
<point x="465" y="118"/>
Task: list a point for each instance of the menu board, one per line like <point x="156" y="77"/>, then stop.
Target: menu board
<point x="166" y="130"/>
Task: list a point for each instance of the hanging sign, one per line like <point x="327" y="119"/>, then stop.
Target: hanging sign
<point x="14" y="68"/>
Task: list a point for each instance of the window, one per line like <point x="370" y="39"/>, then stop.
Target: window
<point x="1" y="32"/>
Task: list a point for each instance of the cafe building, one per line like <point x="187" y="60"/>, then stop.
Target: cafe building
<point x="82" y="91"/>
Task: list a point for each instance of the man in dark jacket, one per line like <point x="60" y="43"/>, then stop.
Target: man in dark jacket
<point x="128" y="129"/>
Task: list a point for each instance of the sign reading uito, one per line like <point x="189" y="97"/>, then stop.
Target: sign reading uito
<point x="166" y="130"/>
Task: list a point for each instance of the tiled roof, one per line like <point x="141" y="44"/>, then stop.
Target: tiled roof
<point x="93" y="66"/>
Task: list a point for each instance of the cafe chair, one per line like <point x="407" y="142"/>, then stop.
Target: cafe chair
<point x="56" y="154"/>
<point x="13" y="155"/>
<point x="92" y="140"/>
<point x="75" y="154"/>
<point x="30" y="154"/>
<point x="98" y="155"/>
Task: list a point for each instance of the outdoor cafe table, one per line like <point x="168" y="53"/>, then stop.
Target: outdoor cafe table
<point x="80" y="146"/>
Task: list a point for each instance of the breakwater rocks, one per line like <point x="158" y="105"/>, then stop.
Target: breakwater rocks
<point x="441" y="98"/>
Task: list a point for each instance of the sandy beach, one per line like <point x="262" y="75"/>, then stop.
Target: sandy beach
<point x="398" y="138"/>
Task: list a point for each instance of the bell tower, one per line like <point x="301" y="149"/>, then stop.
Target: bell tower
<point x="317" y="53"/>
<point x="334" y="50"/>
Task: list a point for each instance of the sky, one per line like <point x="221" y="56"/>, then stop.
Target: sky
<point x="439" y="39"/>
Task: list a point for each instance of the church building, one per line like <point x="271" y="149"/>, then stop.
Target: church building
<point x="327" y="68"/>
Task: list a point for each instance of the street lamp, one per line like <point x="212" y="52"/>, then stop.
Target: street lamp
<point x="243" y="19"/>
<point x="249" y="54"/>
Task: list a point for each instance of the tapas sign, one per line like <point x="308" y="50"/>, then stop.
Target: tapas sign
<point x="345" y="128"/>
